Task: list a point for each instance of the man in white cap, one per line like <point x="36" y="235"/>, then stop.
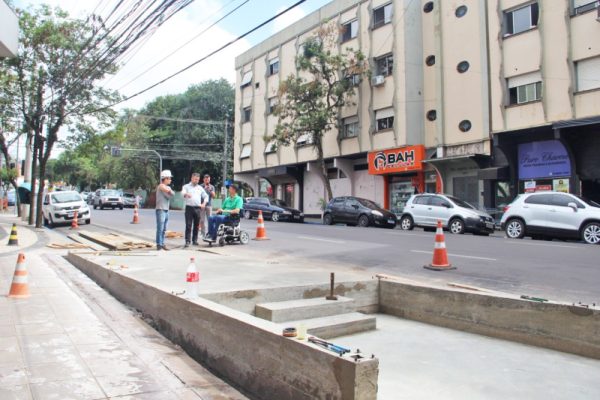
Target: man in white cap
<point x="164" y="193"/>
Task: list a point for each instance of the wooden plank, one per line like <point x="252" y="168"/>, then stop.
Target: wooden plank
<point x="89" y="243"/>
<point x="114" y="241"/>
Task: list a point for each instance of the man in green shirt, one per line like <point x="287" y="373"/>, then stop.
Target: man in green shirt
<point x="231" y="205"/>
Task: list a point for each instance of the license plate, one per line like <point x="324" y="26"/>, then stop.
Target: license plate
<point x="70" y="214"/>
<point x="296" y="217"/>
<point x="113" y="204"/>
<point x="391" y="221"/>
<point x="489" y="225"/>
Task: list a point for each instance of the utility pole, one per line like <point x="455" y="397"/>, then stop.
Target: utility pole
<point x="225" y="136"/>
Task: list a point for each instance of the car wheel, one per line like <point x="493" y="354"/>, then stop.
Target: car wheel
<point x="457" y="226"/>
<point x="50" y="223"/>
<point x="275" y="217"/>
<point x="327" y="219"/>
<point x="113" y="208"/>
<point x="46" y="221"/>
<point x="591" y="233"/>
<point x="406" y="223"/>
<point x="244" y="237"/>
<point x="515" y="229"/>
<point x="120" y="208"/>
<point x="363" y="221"/>
<point x="247" y="214"/>
<point x="88" y="221"/>
<point x="95" y="207"/>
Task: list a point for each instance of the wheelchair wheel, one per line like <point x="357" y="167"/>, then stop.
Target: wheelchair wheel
<point x="221" y="242"/>
<point x="244" y="237"/>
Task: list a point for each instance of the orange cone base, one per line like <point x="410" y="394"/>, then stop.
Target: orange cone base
<point x="439" y="267"/>
<point x="261" y="238"/>
<point x="19" y="296"/>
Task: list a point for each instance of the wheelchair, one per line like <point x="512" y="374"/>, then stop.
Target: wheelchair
<point x="230" y="232"/>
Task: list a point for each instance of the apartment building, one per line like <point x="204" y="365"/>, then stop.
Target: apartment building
<point x="9" y="34"/>
<point x="480" y="99"/>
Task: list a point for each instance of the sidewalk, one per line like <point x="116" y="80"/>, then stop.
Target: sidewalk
<point x="71" y="340"/>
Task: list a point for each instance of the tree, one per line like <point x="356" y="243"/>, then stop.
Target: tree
<point x="8" y="132"/>
<point x="59" y="63"/>
<point x="310" y="103"/>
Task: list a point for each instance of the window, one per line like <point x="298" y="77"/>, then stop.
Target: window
<point x="350" y="127"/>
<point x="304" y="140"/>
<point x="430" y="60"/>
<point x="521" y="20"/>
<point x="353" y="79"/>
<point x="583" y="6"/>
<point x="428" y="7"/>
<point x="246" y="79"/>
<point x="431" y="115"/>
<point x="438" y="201"/>
<point x="384" y="65"/>
<point x="588" y="74"/>
<point x="270" y="147"/>
<point x="465" y="125"/>
<point x="563" y="200"/>
<point x="544" y="199"/>
<point x="384" y="119"/>
<point x="247" y="114"/>
<point x="525" y="88"/>
<point x="421" y="200"/>
<point x="349" y="30"/>
<point x="273" y="66"/>
<point x="273" y="102"/>
<point x="246" y="151"/>
<point x="463" y="67"/>
<point x="382" y="15"/>
<point x="461" y="11"/>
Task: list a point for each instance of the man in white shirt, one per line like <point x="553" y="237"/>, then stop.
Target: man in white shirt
<point x="195" y="200"/>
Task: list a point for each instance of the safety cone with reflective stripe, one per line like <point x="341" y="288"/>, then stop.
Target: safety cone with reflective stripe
<point x="13" y="240"/>
<point x="440" y="255"/>
<point x="75" y="223"/>
<point x="136" y="215"/>
<point x="20" y="285"/>
<point x="261" y="233"/>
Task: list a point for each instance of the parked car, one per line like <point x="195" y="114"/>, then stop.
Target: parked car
<point x="129" y="200"/>
<point x="547" y="215"/>
<point x="357" y="211"/>
<point x="60" y="207"/>
<point x="275" y="209"/>
<point x="458" y="216"/>
<point x="107" y="198"/>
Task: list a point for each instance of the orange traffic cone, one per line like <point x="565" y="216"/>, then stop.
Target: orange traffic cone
<point x="20" y="286"/>
<point x="440" y="255"/>
<point x="261" y="233"/>
<point x="136" y="215"/>
<point x="74" y="223"/>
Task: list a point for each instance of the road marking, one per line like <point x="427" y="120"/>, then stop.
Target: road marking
<point x="321" y="239"/>
<point x="432" y="235"/>
<point x="456" y="255"/>
<point x="512" y="241"/>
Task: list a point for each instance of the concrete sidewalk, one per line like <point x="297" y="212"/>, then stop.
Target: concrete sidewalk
<point x="71" y="340"/>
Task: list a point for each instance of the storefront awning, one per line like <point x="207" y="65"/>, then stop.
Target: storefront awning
<point x="576" y="122"/>
<point x="482" y="160"/>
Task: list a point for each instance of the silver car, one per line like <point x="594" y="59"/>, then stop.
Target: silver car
<point x="107" y="198"/>
<point x="552" y="215"/>
<point x="458" y="216"/>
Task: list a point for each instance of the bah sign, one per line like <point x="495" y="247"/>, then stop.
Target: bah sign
<point x="391" y="161"/>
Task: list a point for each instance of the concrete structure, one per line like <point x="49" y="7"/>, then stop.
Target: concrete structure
<point x="457" y="87"/>
<point x="9" y="34"/>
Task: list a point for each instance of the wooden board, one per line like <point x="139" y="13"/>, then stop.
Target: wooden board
<point x="114" y="241"/>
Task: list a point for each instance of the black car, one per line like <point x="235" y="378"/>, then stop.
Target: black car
<point x="357" y="211"/>
<point x="275" y="209"/>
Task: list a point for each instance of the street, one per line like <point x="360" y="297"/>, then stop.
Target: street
<point x="557" y="270"/>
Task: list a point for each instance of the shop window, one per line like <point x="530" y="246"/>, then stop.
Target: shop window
<point x="274" y="66"/>
<point x="382" y="15"/>
<point x="273" y="102"/>
<point x="428" y="7"/>
<point x="521" y="20"/>
<point x="461" y="11"/>
<point x="350" y="127"/>
<point x="247" y="114"/>
<point x="384" y="65"/>
<point x="465" y="125"/>
<point x="431" y="115"/>
<point x="462" y="67"/>
<point x="349" y="30"/>
<point x="246" y="151"/>
<point x="430" y="61"/>
<point x="588" y="74"/>
<point x="583" y="6"/>
<point x="246" y="80"/>
<point x="384" y="119"/>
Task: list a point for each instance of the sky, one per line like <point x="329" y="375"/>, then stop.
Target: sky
<point x="180" y="29"/>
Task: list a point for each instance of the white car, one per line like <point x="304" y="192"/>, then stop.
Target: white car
<point x="552" y="215"/>
<point x="60" y="207"/>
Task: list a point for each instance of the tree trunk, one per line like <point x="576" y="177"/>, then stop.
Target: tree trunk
<point x="321" y="160"/>
<point x="41" y="186"/>
<point x="34" y="157"/>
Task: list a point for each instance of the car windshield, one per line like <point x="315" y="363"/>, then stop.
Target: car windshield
<point x="589" y="202"/>
<point x="279" y="203"/>
<point x="65" y="197"/>
<point x="461" y="203"/>
<point x="109" y="193"/>
<point x="128" y="195"/>
<point x="368" y="203"/>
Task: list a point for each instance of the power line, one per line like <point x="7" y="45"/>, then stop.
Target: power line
<point x="198" y="61"/>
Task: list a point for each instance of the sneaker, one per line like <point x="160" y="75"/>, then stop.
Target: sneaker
<point x="186" y="245"/>
<point x="165" y="248"/>
<point x="158" y="247"/>
<point x="195" y="244"/>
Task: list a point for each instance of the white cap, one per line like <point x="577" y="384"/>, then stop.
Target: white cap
<point x="166" y="174"/>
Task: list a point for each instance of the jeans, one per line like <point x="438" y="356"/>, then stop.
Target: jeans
<point x="213" y="224"/>
<point x="162" y="218"/>
<point x="192" y="220"/>
<point x="204" y="216"/>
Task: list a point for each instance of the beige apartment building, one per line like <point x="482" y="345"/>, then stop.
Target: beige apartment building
<point x="479" y="99"/>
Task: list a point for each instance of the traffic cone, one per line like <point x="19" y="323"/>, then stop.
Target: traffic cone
<point x="136" y="215"/>
<point x="261" y="233"/>
<point x="20" y="286"/>
<point x="440" y="255"/>
<point x="13" y="240"/>
<point x="74" y="223"/>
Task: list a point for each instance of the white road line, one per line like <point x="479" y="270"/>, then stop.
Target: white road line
<point x="432" y="235"/>
<point x="456" y="255"/>
<point x="512" y="241"/>
<point x="321" y="239"/>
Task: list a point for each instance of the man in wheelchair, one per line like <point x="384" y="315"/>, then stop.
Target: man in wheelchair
<point x="225" y="225"/>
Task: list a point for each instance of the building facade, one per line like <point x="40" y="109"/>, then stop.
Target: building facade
<point x="479" y="99"/>
<point x="9" y="34"/>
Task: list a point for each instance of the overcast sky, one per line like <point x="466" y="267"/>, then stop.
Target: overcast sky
<point x="181" y="28"/>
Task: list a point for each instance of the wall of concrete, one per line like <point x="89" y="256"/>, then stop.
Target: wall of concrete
<point x="556" y="326"/>
<point x="247" y="351"/>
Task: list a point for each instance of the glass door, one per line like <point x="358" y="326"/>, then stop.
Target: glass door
<point x="399" y="193"/>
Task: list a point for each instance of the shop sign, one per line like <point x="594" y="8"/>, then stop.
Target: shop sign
<point x="529" y="186"/>
<point x="560" y="185"/>
<point x="545" y="159"/>
<point x="391" y="161"/>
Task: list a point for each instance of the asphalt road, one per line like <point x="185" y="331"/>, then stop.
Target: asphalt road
<point x="567" y="271"/>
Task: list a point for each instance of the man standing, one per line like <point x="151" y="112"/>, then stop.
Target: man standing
<point x="195" y="201"/>
<point x="231" y="205"/>
<point x="163" y="200"/>
<point x="206" y="211"/>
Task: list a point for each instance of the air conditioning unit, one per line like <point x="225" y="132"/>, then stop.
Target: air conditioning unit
<point x="377" y="80"/>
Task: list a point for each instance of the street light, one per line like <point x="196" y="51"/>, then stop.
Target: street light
<point x="115" y="151"/>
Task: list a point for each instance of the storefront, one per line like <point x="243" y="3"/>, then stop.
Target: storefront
<point x="544" y="165"/>
<point x="404" y="175"/>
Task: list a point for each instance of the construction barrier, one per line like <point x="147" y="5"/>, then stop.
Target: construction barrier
<point x="440" y="255"/>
